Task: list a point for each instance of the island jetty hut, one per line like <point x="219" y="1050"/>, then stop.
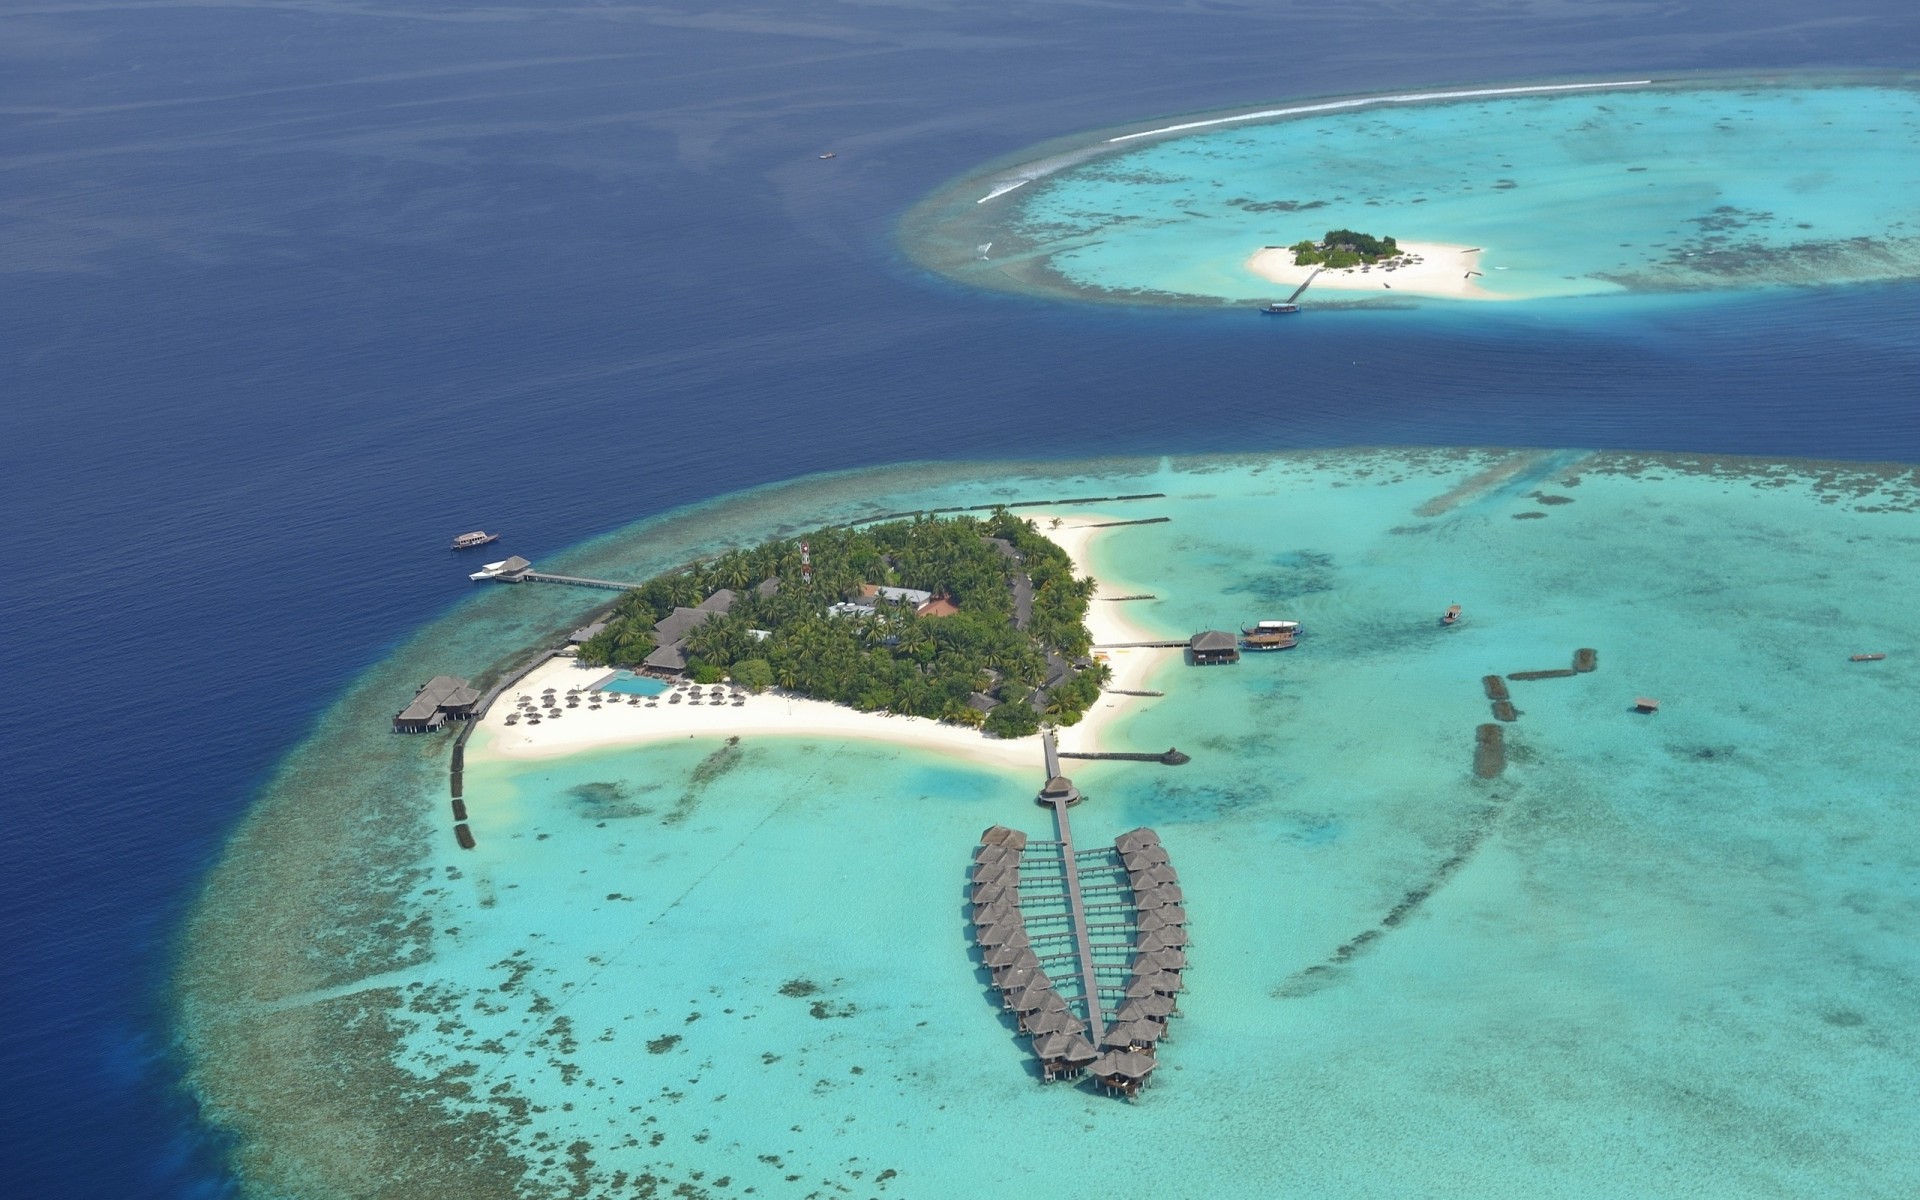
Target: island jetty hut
<point x="996" y="854"/>
<point x="1134" y="840"/>
<point x="439" y="700"/>
<point x="585" y="633"/>
<point x="1213" y="648"/>
<point x="1060" y="790"/>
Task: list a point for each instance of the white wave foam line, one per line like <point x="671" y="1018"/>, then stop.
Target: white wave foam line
<point x="1003" y="189"/>
<point x="1409" y="98"/>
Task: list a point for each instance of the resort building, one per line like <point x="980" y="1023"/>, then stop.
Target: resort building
<point x="440" y="699"/>
<point x="670" y="632"/>
<point x="1213" y="648"/>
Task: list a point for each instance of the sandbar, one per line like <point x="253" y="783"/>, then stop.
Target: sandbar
<point x="776" y="713"/>
<point x="1443" y="270"/>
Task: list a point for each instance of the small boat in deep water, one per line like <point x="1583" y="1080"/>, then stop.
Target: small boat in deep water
<point x="1279" y="310"/>
<point x="1271" y="635"/>
<point x="478" y="537"/>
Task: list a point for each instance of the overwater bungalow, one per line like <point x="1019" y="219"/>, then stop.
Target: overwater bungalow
<point x="1008" y="957"/>
<point x="1153" y="876"/>
<point x="1014" y="978"/>
<point x="1155" y="1007"/>
<point x="1063" y="1054"/>
<point x="1134" y="840"/>
<point x="995" y="893"/>
<point x="1144" y="857"/>
<point x="1152" y="983"/>
<point x="1137" y="1034"/>
<point x="1122" y="1071"/>
<point x="1214" y="647"/>
<point x="995" y="872"/>
<point x="1162" y="960"/>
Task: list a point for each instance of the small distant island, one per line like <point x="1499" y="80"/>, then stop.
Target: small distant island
<point x="972" y="621"/>
<point x="1345" y="248"/>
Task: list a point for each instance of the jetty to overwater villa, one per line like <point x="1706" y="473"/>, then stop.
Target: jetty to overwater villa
<point x="1085" y="948"/>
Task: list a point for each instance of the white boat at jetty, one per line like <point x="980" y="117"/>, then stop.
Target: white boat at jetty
<point x="1271" y="635"/>
<point x="479" y="537"/>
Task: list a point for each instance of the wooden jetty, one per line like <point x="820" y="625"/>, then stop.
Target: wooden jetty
<point x="1106" y="922"/>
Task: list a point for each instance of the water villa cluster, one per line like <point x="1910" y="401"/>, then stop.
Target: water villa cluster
<point x="1086" y="948"/>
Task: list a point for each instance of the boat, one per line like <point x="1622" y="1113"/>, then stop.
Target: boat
<point x="1867" y="657"/>
<point x="829" y="154"/>
<point x="1278" y="310"/>
<point x="1451" y="616"/>
<point x="479" y="537"/>
<point x="1271" y="635"/>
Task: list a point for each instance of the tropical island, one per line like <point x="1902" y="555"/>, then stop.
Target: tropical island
<point x="971" y="621"/>
<point x="1343" y="248"/>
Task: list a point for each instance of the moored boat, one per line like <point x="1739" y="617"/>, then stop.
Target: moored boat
<point x="1271" y="635"/>
<point x="478" y="537"/>
<point x="1875" y="657"/>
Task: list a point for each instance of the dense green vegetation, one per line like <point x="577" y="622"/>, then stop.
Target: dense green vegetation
<point x="1344" y="248"/>
<point x="891" y="659"/>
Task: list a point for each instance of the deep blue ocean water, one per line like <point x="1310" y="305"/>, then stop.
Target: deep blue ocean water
<point x="294" y="292"/>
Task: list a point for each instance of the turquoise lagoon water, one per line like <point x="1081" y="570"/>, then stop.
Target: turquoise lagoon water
<point x="1655" y="189"/>
<point x="1665" y="955"/>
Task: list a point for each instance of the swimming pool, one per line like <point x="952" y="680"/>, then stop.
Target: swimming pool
<point x="626" y="683"/>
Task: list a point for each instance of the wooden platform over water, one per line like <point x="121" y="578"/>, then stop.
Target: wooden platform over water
<point x="1107" y="923"/>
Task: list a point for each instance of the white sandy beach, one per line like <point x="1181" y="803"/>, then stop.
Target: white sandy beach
<point x="778" y="714"/>
<point x="1441" y="272"/>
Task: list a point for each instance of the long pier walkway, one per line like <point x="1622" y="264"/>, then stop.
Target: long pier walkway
<point x="1058" y="799"/>
<point x="577" y="581"/>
